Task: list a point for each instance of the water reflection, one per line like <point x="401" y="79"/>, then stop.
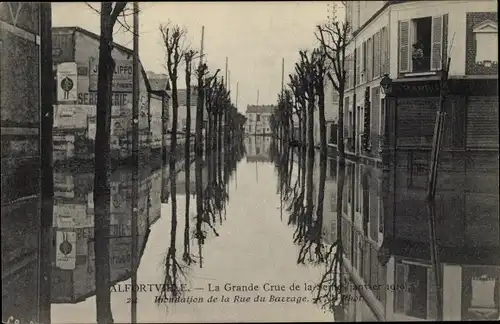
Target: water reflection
<point x="350" y="225"/>
<point x="403" y="258"/>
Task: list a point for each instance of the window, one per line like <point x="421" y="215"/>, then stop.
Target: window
<point x="258" y="117"/>
<point x="421" y="30"/>
<point x="486" y="34"/>
<point x="420" y="44"/>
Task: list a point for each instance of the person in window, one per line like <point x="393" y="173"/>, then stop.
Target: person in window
<point x="418" y="56"/>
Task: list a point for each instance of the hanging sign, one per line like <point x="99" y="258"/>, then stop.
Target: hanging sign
<point x="66" y="82"/>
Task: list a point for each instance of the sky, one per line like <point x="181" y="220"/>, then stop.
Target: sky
<point x="254" y="36"/>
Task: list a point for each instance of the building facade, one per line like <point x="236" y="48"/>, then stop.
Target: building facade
<point x="24" y="44"/>
<point x="75" y="57"/>
<point x="401" y="39"/>
<point x="331" y="115"/>
<point x="258" y="119"/>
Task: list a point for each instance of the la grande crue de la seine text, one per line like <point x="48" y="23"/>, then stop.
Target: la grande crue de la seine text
<point x="227" y="287"/>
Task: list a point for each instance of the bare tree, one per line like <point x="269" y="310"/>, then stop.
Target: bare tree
<point x="334" y="37"/>
<point x="173" y="38"/>
<point x="319" y="68"/>
<point x="188" y="56"/>
<point x="109" y="13"/>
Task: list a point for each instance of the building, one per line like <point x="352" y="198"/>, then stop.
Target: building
<point x="258" y="119"/>
<point x="331" y="115"/>
<point x="75" y="56"/>
<point x="24" y="43"/>
<point x="403" y="40"/>
<point x="73" y="274"/>
<point x="258" y="149"/>
<point x="159" y="106"/>
<point x="182" y="110"/>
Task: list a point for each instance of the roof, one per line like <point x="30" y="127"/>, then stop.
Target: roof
<point x="262" y="109"/>
<point x="158" y="81"/>
<point x="159" y="84"/>
<point x="181" y="96"/>
<point x="115" y="45"/>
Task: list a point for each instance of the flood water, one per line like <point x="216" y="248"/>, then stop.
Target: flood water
<point x="257" y="234"/>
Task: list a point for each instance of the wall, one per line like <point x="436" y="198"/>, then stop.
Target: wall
<point x="262" y="127"/>
<point x="76" y="134"/>
<point x="20" y="158"/>
<point x="156" y="106"/>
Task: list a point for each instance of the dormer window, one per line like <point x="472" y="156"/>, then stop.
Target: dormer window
<point x="486" y="37"/>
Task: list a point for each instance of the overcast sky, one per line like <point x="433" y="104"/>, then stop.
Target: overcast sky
<point x="255" y="36"/>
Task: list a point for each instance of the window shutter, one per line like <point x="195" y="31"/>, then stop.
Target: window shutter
<point x="358" y="65"/>
<point x="384" y="65"/>
<point x="376" y="55"/>
<point x="404" y="51"/>
<point x="436" y="43"/>
<point x="346" y="110"/>
<point x="364" y="61"/>
<point x="369" y="59"/>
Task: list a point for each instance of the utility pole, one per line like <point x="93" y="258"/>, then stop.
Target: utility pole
<point x="229" y="80"/>
<point x="236" y="101"/>
<point x="46" y="149"/>
<point x="225" y="78"/>
<point x="257" y="97"/>
<point x="438" y="131"/>
<point x="135" y="158"/>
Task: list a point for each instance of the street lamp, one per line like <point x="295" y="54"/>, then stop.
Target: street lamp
<point x="386" y="84"/>
<point x="386" y="89"/>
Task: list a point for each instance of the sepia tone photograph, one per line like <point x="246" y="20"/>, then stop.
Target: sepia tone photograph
<point x="265" y="161"/>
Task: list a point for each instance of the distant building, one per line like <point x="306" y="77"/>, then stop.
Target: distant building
<point x="258" y="119"/>
<point x="182" y="110"/>
<point x="159" y="106"/>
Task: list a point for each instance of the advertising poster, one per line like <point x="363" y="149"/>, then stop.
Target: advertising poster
<point x="65" y="250"/>
<point x="122" y="76"/>
<point x="67" y="90"/>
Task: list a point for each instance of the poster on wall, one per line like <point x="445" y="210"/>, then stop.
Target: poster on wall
<point x="67" y="82"/>
<point x="65" y="250"/>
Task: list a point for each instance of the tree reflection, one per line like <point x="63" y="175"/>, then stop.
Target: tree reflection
<point x="308" y="220"/>
<point x="329" y="289"/>
<point x="173" y="268"/>
<point x="102" y="257"/>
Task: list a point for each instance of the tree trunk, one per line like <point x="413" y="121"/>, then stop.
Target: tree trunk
<point x="310" y="126"/>
<point x="187" y="159"/>
<point x="340" y="130"/>
<point x="322" y="121"/>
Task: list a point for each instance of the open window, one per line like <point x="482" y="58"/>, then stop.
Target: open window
<point x="421" y="44"/>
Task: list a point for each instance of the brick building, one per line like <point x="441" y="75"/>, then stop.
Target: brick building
<point x="402" y="39"/>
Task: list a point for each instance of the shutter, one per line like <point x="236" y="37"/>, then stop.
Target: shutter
<point x="369" y="60"/>
<point x="436" y="43"/>
<point x="376" y="55"/>
<point x="375" y="111"/>
<point x="358" y="65"/>
<point x="384" y="66"/>
<point x="401" y="277"/>
<point x="365" y="62"/>
<point x="404" y="41"/>
<point x="346" y="113"/>
<point x="482" y="122"/>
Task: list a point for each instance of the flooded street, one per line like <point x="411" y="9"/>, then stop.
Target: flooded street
<point x="265" y="242"/>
